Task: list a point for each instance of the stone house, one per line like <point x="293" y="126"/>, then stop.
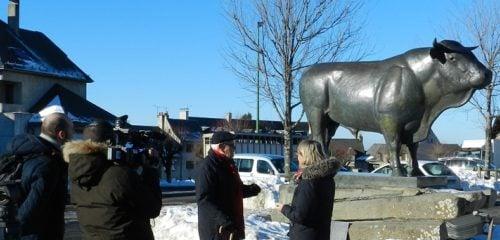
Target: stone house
<point x="35" y="72"/>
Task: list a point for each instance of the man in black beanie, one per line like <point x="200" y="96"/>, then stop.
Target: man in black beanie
<point x="220" y="192"/>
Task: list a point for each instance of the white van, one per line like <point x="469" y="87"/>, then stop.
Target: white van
<point x="252" y="165"/>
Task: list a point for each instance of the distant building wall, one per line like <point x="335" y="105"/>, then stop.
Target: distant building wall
<point x="6" y="131"/>
<point x="12" y="124"/>
<point x="33" y="87"/>
<point x="256" y="143"/>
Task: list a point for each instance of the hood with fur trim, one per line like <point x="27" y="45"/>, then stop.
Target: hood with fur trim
<point x="86" y="161"/>
<point x="83" y="147"/>
<point x="325" y="168"/>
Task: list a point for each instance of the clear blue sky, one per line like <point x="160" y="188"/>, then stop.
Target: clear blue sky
<point x="169" y="53"/>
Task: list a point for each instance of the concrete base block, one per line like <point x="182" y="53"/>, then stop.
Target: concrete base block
<point x="369" y="180"/>
<point x="277" y="216"/>
<point x="436" y="206"/>
<point x="475" y="200"/>
<point x="342" y="194"/>
<point x="401" y="230"/>
<point x="491" y="196"/>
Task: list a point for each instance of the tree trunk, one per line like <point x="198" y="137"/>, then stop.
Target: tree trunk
<point x="487" y="128"/>
<point x="287" y="145"/>
<point x="288" y="119"/>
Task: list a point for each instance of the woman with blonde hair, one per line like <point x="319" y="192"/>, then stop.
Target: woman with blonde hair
<point x="310" y="212"/>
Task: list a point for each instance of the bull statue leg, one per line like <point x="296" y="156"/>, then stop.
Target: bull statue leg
<point x="412" y="147"/>
<point x="394" y="150"/>
<point x="322" y="127"/>
<point x="393" y="141"/>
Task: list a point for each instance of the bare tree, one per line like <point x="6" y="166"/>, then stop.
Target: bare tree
<point x="236" y="125"/>
<point x="482" y="24"/>
<point x="287" y="36"/>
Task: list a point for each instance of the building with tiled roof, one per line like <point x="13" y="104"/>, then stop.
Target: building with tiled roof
<point x="34" y="74"/>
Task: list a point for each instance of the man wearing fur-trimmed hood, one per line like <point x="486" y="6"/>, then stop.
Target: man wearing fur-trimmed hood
<point x="112" y="200"/>
<point x="310" y="212"/>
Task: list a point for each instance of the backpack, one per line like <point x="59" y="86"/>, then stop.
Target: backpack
<point x="11" y="166"/>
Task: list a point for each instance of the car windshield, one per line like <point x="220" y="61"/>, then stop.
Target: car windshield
<point x="279" y="163"/>
<point x="461" y="163"/>
<point x="388" y="170"/>
<point x="437" y="169"/>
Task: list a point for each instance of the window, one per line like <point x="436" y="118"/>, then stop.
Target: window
<point x="279" y="164"/>
<point x="388" y="170"/>
<point x="10" y="92"/>
<point x="437" y="169"/>
<point x="244" y="165"/>
<point x="189" y="164"/>
<point x="189" y="147"/>
<point x="264" y="167"/>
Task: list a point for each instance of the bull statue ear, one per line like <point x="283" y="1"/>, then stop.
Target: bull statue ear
<point x="437" y="52"/>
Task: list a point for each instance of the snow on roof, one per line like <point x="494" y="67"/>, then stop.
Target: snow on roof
<point x="34" y="53"/>
<point x="473" y="143"/>
<point x="52" y="107"/>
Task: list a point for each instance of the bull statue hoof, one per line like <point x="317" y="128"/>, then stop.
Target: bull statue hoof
<point x="416" y="173"/>
<point x="396" y="97"/>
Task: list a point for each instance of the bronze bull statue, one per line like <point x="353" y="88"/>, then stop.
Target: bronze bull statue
<point x="399" y="97"/>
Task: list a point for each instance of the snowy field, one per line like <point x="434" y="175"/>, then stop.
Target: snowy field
<point x="181" y="222"/>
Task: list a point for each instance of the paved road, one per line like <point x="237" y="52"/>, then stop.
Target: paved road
<point x="169" y="199"/>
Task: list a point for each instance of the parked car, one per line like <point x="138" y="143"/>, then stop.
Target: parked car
<point x="428" y="168"/>
<point x="252" y="165"/>
<point x="362" y="163"/>
<point x="464" y="163"/>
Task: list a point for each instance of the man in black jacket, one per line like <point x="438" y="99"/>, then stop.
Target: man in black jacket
<point x="220" y="192"/>
<point x="43" y="179"/>
<point x="113" y="201"/>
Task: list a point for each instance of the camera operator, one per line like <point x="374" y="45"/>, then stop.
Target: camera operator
<point x="113" y="200"/>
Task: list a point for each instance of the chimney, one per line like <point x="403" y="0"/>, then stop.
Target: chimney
<point x="13" y="15"/>
<point x="184" y="114"/>
<point x="162" y="118"/>
<point x="229" y="117"/>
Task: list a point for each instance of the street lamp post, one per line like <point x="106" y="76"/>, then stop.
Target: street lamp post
<point x="259" y="25"/>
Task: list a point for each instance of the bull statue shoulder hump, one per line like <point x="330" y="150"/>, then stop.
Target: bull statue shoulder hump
<point x="399" y="97"/>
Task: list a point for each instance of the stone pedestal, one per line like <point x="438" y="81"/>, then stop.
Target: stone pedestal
<point x="385" y="207"/>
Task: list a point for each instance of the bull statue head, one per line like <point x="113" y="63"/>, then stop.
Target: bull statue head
<point x="460" y="64"/>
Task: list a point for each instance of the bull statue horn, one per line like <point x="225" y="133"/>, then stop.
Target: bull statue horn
<point x="437" y="45"/>
<point x="471" y="48"/>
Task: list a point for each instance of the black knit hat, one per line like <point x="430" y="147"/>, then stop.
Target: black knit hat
<point x="220" y="137"/>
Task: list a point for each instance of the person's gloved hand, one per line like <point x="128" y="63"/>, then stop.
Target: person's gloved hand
<point x="255" y="188"/>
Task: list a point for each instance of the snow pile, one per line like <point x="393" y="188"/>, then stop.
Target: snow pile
<point x="268" y="196"/>
<point x="176" y="222"/>
<point x="181" y="222"/>
<point x="471" y="181"/>
<point x="257" y="227"/>
<point x="177" y="183"/>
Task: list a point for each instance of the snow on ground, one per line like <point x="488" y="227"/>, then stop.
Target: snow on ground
<point x="181" y="222"/>
<point x="471" y="181"/>
<point x="177" y="183"/>
<point x="268" y="196"/>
